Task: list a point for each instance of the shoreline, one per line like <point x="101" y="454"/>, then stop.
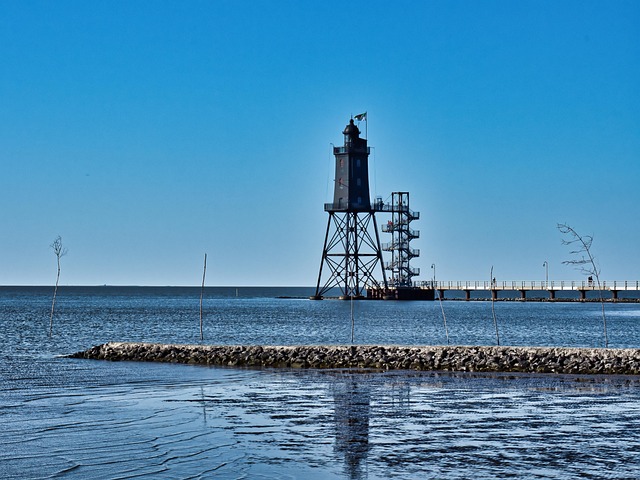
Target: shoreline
<point x="558" y="360"/>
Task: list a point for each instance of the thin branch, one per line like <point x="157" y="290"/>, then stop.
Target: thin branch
<point x="59" y="251"/>
<point x="585" y="265"/>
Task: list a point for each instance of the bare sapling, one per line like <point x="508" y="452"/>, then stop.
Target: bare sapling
<point x="493" y="308"/>
<point x="586" y="263"/>
<point x="59" y="252"/>
<point x="204" y="272"/>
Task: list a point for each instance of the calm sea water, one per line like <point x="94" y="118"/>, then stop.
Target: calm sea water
<point x="64" y="418"/>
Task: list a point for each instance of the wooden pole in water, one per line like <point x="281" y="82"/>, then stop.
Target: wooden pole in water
<point x="352" y="320"/>
<point x="444" y="317"/>
<point x="204" y="272"/>
<point x="493" y="308"/>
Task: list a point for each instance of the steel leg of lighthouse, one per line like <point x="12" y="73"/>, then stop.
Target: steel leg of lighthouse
<point x="317" y="295"/>
<point x="351" y="255"/>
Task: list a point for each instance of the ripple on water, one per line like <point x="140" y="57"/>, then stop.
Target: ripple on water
<point x="194" y="422"/>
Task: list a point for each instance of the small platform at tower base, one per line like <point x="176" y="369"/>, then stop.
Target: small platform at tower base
<point x="401" y="293"/>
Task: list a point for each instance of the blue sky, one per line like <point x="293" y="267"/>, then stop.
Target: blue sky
<point x="149" y="133"/>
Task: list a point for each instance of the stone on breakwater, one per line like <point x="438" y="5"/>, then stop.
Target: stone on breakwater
<point x="453" y="358"/>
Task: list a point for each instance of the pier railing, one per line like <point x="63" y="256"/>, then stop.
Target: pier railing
<point x="570" y="285"/>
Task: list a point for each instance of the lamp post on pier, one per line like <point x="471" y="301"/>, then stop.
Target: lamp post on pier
<point x="546" y="278"/>
<point x="433" y="266"/>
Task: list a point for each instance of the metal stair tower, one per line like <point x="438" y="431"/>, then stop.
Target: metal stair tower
<point x="401" y="234"/>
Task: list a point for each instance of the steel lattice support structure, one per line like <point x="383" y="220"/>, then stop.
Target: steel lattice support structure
<point x="351" y="254"/>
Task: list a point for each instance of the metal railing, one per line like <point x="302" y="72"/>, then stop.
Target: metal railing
<point x="395" y="265"/>
<point x="404" y="247"/>
<point x="343" y="207"/>
<point x="617" y="285"/>
<point x="375" y="206"/>
<point x="378" y="206"/>
<point x="338" y="150"/>
<point x="394" y="227"/>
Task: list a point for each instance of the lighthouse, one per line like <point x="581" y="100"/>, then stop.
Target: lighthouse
<point x="351" y="191"/>
<point x="351" y="253"/>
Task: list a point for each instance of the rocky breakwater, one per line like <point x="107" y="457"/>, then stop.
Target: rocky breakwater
<point x="450" y="358"/>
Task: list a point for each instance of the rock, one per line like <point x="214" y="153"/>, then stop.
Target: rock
<point x="459" y="358"/>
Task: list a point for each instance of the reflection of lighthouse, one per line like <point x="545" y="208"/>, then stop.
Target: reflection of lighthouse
<point x="352" y="405"/>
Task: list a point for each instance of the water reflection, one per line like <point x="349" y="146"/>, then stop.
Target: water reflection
<point x="400" y="393"/>
<point x="185" y="422"/>
<point x="352" y="400"/>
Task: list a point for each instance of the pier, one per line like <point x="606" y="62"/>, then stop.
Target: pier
<point x="580" y="287"/>
<point x="611" y="289"/>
